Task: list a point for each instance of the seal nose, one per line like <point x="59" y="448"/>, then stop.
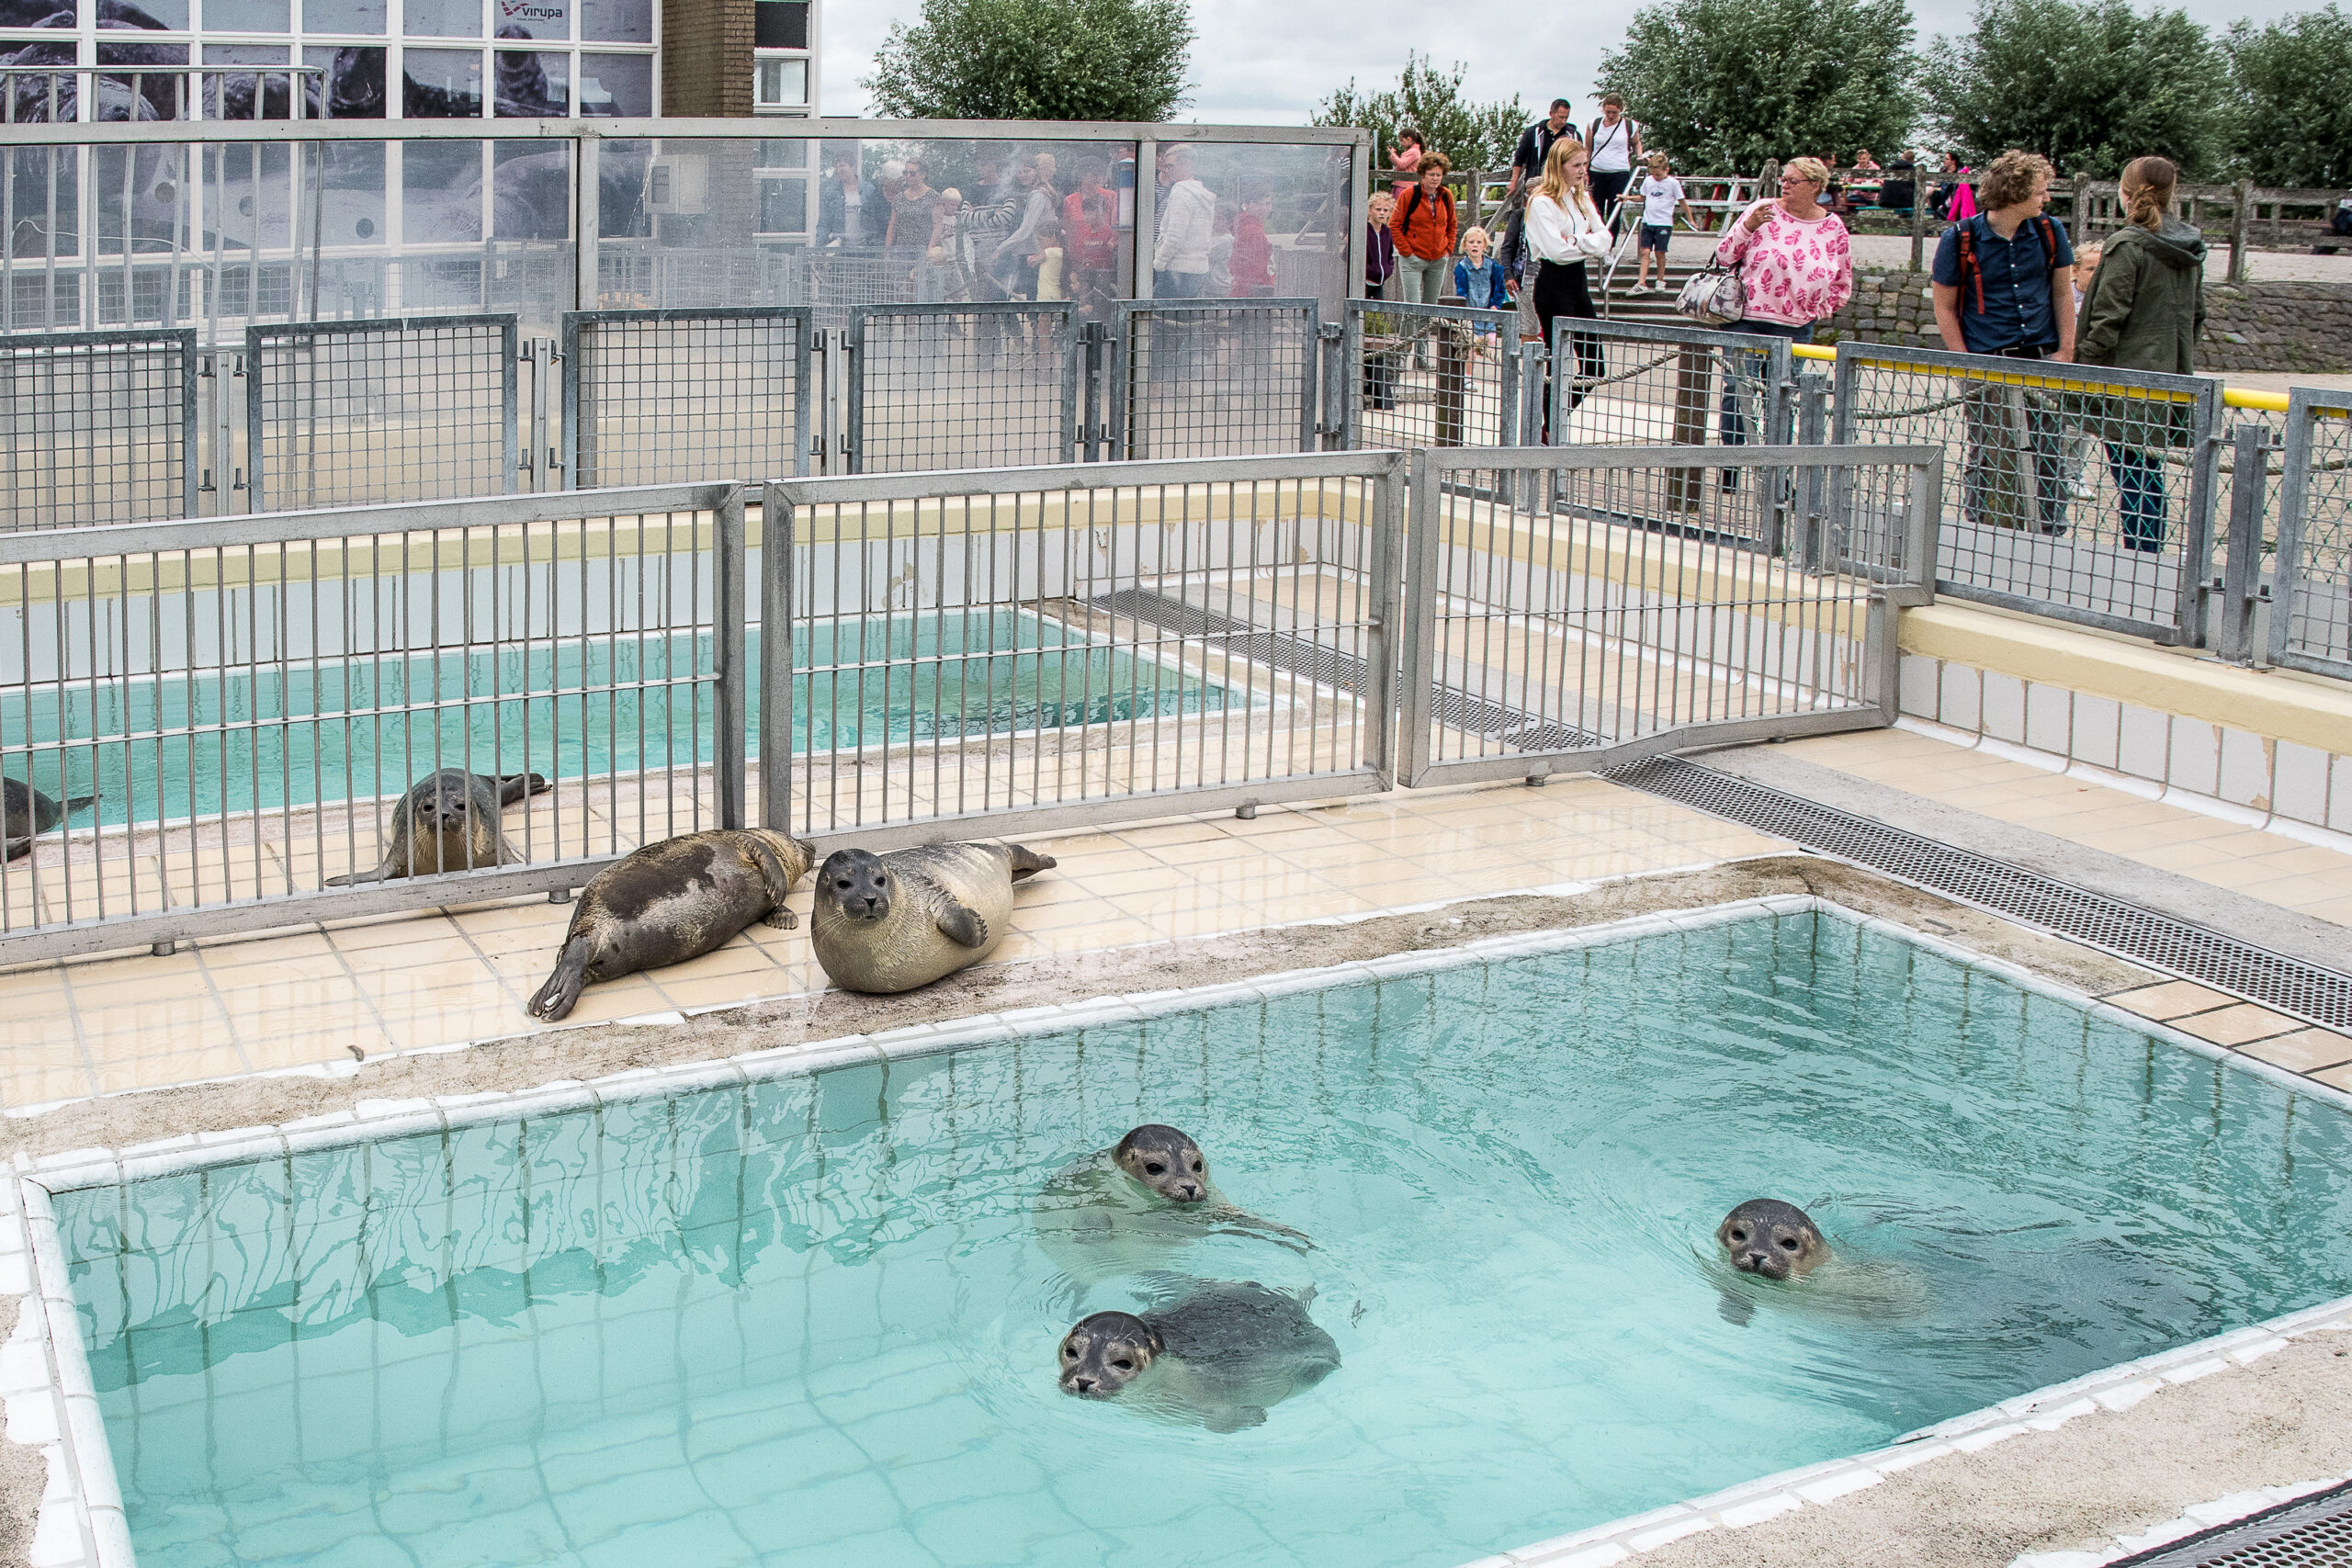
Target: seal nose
<point x="1753" y="1261"/>
<point x="1188" y="1190"/>
<point x="1084" y="1385"/>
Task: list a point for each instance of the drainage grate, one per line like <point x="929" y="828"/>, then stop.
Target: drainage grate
<point x="2311" y="1532"/>
<point x="2275" y="979"/>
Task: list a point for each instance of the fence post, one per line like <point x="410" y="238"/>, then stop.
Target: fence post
<point x="1332" y="400"/>
<point x="588" y="187"/>
<point x="779" y="530"/>
<point x="727" y="647"/>
<point x="1813" y="430"/>
<point x="1919" y="220"/>
<point x="2242" y="562"/>
<point x="1423" y="526"/>
<point x="2241" y="227"/>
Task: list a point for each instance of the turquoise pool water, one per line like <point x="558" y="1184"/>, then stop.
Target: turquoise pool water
<point x="290" y="727"/>
<point x="805" y="1321"/>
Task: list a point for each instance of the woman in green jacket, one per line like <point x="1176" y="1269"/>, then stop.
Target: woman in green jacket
<point x="2144" y="311"/>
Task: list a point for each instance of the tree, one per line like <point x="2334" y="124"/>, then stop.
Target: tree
<point x="1724" y="84"/>
<point x="2087" y="84"/>
<point x="2294" y="122"/>
<point x="1123" y="59"/>
<point x="1471" y="135"/>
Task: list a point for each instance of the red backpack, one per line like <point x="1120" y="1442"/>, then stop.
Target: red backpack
<point x="1971" y="270"/>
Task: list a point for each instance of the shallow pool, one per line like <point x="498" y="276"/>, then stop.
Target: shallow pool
<point x="805" y="1321"/>
<point x="273" y="735"/>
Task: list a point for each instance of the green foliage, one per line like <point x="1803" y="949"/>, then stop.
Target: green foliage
<point x="1121" y="59"/>
<point x="1471" y="135"/>
<point x="2087" y="84"/>
<point x="2294" y="123"/>
<point x="1724" y="84"/>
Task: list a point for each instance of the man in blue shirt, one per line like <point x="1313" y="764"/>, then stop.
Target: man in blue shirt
<point x="2004" y="286"/>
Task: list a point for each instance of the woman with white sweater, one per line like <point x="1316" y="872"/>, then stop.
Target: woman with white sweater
<point x="1565" y="230"/>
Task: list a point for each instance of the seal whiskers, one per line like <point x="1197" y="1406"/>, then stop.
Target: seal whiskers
<point x="449" y="820"/>
<point x="888" y="923"/>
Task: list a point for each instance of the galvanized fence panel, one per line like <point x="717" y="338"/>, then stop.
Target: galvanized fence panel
<point x="1554" y="624"/>
<point x="100" y="427"/>
<point x="1632" y="384"/>
<point x="1215" y="378"/>
<point x="223" y="715"/>
<point x="2310" y="608"/>
<point x="1060" y="646"/>
<point x="669" y="397"/>
<point x="410" y="408"/>
<point x="2076" y="491"/>
<point x="1428" y="375"/>
<point x="962" y="386"/>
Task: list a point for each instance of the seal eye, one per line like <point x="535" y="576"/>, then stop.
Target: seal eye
<point x="1739" y="1236"/>
<point x="1124" y="1364"/>
<point x="1069" y="1352"/>
<point x="1789" y="1242"/>
<point x="1155" y="1169"/>
<point x="1196" y="1168"/>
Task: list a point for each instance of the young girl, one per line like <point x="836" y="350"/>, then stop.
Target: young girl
<point x="1405" y="157"/>
<point x="1478" y="278"/>
<point x="1565" y="230"/>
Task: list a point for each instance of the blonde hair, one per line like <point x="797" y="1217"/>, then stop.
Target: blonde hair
<point x="1555" y="178"/>
<point x="2156" y="178"/>
<point x="1811" y="169"/>
<point x="1656" y="160"/>
<point x="1474" y="232"/>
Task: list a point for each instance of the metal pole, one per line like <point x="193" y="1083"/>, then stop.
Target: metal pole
<point x="2241" y="228"/>
<point x="779" y="529"/>
<point x="1147" y="212"/>
<point x="2242" y="562"/>
<point x="587" y="182"/>
<point x="728" y="639"/>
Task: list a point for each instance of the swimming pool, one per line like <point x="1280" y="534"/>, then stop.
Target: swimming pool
<point x="264" y="736"/>
<point x="804" y="1320"/>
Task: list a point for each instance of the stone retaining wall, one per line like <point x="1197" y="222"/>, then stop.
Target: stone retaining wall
<point x="2257" y="326"/>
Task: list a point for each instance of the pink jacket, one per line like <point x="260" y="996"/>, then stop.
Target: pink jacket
<point x="1795" y="273"/>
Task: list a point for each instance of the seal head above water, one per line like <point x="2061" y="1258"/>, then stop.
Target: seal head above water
<point x="1771" y="1239"/>
<point x="1218" y="1355"/>
<point x="891" y="923"/>
<point x="1165" y="1160"/>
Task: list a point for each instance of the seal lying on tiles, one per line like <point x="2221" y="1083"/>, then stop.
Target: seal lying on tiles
<point x="1128" y="1208"/>
<point x="887" y="923"/>
<point x="448" y="821"/>
<point x="671" y="901"/>
<point x="26" y="812"/>
<point x="1219" y="1356"/>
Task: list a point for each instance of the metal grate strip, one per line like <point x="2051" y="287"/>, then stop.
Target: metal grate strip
<point x="2159" y="940"/>
<point x="2311" y="1533"/>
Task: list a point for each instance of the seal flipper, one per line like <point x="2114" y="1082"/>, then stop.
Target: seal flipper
<point x="961" y="924"/>
<point x="18" y="847"/>
<point x="1028" y="862"/>
<point x="78" y="802"/>
<point x="556" y="1000"/>
<point x="772" y="872"/>
<point x="1233" y="1417"/>
<point x="512" y="787"/>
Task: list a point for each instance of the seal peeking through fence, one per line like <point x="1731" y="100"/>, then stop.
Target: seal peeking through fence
<point x="888" y="923"/>
<point x="448" y="821"/>
<point x="673" y="901"/>
<point x="26" y="813"/>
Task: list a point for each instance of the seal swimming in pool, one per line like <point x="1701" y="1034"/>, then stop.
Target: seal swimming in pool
<point x="1128" y="1208"/>
<point x="1774" y="1239"/>
<point x="448" y="821"/>
<point x="26" y="813"/>
<point x="888" y="923"/>
<point x="673" y="901"/>
<point x="1219" y="1355"/>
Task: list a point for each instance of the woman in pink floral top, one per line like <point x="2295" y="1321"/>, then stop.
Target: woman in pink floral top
<point x="1793" y="256"/>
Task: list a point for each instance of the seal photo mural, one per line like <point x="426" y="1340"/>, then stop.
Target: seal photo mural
<point x="1220" y="1355"/>
<point x="891" y="923"/>
<point x="673" y="901"/>
<point x="1133" y="1206"/>
<point x="449" y="821"/>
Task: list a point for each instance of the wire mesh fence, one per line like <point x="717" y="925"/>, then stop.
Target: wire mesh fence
<point x="1198" y="377"/>
<point x="2310" y="609"/>
<point x="1628" y="384"/>
<point x="1564" y="613"/>
<point x="1064" y="643"/>
<point x="350" y="412"/>
<point x="229" y="724"/>
<point x="1429" y="376"/>
<point x="2075" y="491"/>
<point x="665" y="396"/>
<point x="100" y="427"/>
<point x="965" y="386"/>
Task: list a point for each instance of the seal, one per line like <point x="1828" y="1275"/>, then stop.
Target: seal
<point x="26" y="812"/>
<point x="671" y="901"/>
<point x="1777" y="1240"/>
<point x="448" y="821"/>
<point x="1219" y="1356"/>
<point x="1129" y="1207"/>
<point x="888" y="923"/>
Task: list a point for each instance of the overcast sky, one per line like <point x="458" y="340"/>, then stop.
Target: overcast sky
<point x="1257" y="63"/>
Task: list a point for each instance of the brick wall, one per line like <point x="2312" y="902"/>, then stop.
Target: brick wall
<point x="706" y="57"/>
<point x="2257" y="326"/>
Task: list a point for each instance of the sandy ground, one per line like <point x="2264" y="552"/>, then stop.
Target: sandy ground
<point x="22" y="1475"/>
<point x="2285" y="1420"/>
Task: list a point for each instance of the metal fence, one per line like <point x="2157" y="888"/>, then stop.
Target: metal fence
<point x="2079" y="492"/>
<point x="418" y="408"/>
<point x="1202" y="378"/>
<point x="661" y="396"/>
<point x="970" y="386"/>
<point x="100" y="427"/>
<point x="2310" y="605"/>
<point x="1430" y="376"/>
<point x="222" y="718"/>
<point x="1566" y="609"/>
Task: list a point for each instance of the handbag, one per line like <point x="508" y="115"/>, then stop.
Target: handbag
<point x="1713" y="296"/>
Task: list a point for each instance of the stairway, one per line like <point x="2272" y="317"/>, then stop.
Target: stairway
<point x="1648" y="307"/>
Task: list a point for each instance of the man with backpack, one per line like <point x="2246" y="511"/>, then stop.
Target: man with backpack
<point x="2004" y="287"/>
<point x="1535" y="144"/>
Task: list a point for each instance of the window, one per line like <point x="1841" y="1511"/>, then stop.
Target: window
<point x="617" y="21"/>
<point x="779" y="23"/>
<point x="443" y="84"/>
<point x="780" y="83"/>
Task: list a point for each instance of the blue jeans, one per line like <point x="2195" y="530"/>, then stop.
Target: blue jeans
<point x="2140" y="480"/>
<point x="1752" y="372"/>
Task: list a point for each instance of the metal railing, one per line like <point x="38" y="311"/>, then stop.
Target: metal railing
<point x="657" y="397"/>
<point x="1565" y="609"/>
<point x="2076" y="492"/>
<point x="964" y="386"/>
<point x="2311" y="602"/>
<point x="1430" y="376"/>
<point x="100" y="427"/>
<point x="1193" y="378"/>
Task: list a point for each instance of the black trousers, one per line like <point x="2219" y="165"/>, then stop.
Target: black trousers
<point x="1608" y="184"/>
<point x="1562" y="291"/>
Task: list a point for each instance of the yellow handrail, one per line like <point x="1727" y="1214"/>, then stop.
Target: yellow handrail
<point x="2232" y="397"/>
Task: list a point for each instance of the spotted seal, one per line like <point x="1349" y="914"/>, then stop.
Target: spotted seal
<point x="671" y="901"/>
<point x="26" y="813"/>
<point x="1771" y="1239"/>
<point x="448" y="821"/>
<point x="1131" y="1206"/>
<point x="1219" y="1356"/>
<point x="887" y="923"/>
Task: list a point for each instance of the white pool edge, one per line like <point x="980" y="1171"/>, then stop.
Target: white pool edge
<point x="81" y="1505"/>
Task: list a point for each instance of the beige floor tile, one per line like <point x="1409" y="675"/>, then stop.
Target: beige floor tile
<point x="23" y="1085"/>
<point x="42" y="981"/>
<point x="53" y="1043"/>
<point x="158" y="1020"/>
<point x="2296" y="892"/>
<point x="615" y="998"/>
<point x="27" y="1010"/>
<point x="274" y="970"/>
<point x="2335" y="1078"/>
<point x="455" y="1026"/>
<point x="180" y="1067"/>
<point x="737" y="958"/>
<point x="726" y="991"/>
<point x="431" y="952"/>
<point x="2236" y="1025"/>
<point x="2304" y="1051"/>
<point x="2171" y="999"/>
